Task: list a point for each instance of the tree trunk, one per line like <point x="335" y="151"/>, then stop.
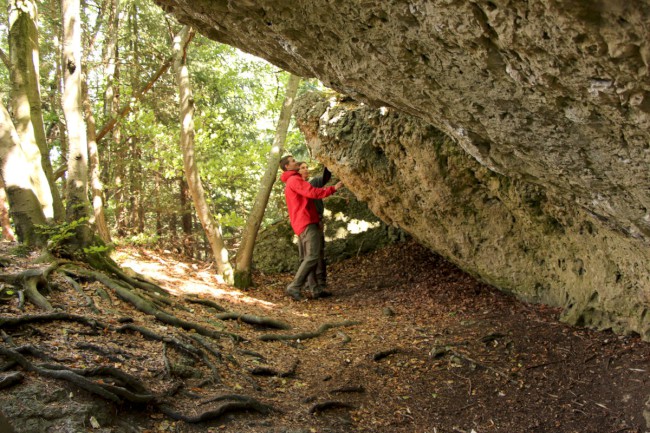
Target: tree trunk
<point x="98" y="219"/>
<point x="26" y="101"/>
<point x="7" y="231"/>
<point x="243" y="267"/>
<point x="109" y="59"/>
<point x="136" y="187"/>
<point x="24" y="205"/>
<point x="210" y="226"/>
<point x="77" y="200"/>
<point x="186" y="219"/>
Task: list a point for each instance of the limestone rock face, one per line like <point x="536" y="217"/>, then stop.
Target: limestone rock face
<point x="551" y="97"/>
<point x="511" y="233"/>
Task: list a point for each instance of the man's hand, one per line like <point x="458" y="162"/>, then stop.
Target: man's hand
<point x="338" y="186"/>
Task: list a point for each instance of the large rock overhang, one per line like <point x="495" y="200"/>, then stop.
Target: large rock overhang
<point x="511" y="233"/>
<point x="550" y="93"/>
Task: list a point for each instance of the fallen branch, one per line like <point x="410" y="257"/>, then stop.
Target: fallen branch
<point x="308" y="335"/>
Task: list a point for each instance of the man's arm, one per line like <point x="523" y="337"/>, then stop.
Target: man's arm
<point x="305" y="189"/>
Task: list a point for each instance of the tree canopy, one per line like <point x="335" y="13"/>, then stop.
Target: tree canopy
<point x="237" y="101"/>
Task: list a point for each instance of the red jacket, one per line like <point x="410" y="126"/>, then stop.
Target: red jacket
<point x="299" y="194"/>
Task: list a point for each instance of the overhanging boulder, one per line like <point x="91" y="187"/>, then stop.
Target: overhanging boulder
<point x="511" y="233"/>
<point x="550" y="99"/>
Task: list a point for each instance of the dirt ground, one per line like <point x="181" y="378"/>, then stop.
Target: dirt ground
<point x="407" y="343"/>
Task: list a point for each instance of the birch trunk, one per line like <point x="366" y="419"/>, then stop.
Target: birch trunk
<point x="77" y="186"/>
<point x="210" y="226"/>
<point x="243" y="278"/>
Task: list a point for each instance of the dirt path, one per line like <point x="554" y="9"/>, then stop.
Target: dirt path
<point x="411" y="345"/>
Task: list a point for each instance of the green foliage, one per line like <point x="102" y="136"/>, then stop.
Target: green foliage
<point x="58" y="235"/>
<point x="237" y="101"/>
<point x="142" y="240"/>
<point x="97" y="250"/>
<point x="20" y="250"/>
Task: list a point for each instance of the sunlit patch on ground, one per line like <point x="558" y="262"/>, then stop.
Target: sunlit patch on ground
<point x="182" y="279"/>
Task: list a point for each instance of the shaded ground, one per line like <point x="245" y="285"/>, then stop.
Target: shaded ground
<point x="433" y="351"/>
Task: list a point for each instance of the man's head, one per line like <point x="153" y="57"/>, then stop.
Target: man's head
<point x="303" y="170"/>
<point x="288" y="163"/>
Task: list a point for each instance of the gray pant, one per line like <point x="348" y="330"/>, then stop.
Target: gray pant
<point x="310" y="245"/>
<point x="317" y="279"/>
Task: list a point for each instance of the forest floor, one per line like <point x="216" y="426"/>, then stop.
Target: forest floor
<point x="411" y="344"/>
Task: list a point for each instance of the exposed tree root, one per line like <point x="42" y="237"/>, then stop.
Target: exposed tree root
<point x="113" y="384"/>
<point x="347" y="389"/>
<point x="320" y="407"/>
<point x="440" y="352"/>
<point x="11" y="379"/>
<point x="249" y="404"/>
<point x="254" y="320"/>
<point x="307" y="335"/>
<point x="205" y="302"/>
<point x="384" y="353"/>
<point x="67" y="375"/>
<point x="148" y="333"/>
<point x="89" y="301"/>
<point x="29" y="282"/>
<point x="147" y="307"/>
<point x="7" y="321"/>
<point x="266" y="371"/>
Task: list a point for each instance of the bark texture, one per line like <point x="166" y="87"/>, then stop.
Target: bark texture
<point x="245" y="252"/>
<point x="26" y="101"/>
<point x="24" y="206"/>
<point x="211" y="227"/>
<point x="77" y="206"/>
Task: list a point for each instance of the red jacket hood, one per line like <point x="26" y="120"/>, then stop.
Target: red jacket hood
<point x="287" y="174"/>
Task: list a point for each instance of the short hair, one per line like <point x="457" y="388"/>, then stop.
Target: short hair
<point x="284" y="162"/>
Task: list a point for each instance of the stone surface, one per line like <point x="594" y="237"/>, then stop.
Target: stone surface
<point x="511" y="233"/>
<point x="547" y="101"/>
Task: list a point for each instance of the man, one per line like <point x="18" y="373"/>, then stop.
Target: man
<point x="318" y="278"/>
<point x="300" y="196"/>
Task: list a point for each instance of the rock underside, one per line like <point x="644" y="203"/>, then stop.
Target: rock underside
<point x="517" y="139"/>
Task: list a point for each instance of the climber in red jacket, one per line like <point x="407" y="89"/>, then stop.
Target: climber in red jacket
<point x="304" y="219"/>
